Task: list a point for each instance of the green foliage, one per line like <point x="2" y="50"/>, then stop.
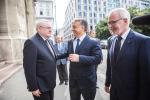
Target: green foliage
<point x="144" y="29"/>
<point x="102" y="28"/>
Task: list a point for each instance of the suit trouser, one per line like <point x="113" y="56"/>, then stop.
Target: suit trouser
<point x="49" y="95"/>
<point x="75" y="92"/>
<point x="62" y="72"/>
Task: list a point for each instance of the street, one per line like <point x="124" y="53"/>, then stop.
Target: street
<point x="15" y="87"/>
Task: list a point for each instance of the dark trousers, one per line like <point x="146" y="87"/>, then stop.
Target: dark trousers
<point x="75" y="93"/>
<point x="113" y="94"/>
<point x="62" y="72"/>
<point x="49" y="95"/>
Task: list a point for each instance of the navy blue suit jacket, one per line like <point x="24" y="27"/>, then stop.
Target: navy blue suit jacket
<point x="39" y="65"/>
<point x="84" y="71"/>
<point x="130" y="75"/>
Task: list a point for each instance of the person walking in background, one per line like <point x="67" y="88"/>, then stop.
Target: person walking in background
<point x="92" y="34"/>
<point x="39" y="63"/>
<point x="84" y="54"/>
<point x="61" y="47"/>
<point x="128" y="60"/>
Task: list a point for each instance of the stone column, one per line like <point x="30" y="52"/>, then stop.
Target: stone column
<point x="16" y="24"/>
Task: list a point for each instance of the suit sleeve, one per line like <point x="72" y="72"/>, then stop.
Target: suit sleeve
<point x="29" y="65"/>
<point x="108" y="69"/>
<point x="144" y="69"/>
<point x="94" y="58"/>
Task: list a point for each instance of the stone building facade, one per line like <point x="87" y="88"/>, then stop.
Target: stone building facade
<point x="17" y="22"/>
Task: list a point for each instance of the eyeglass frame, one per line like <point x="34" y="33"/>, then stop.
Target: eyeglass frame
<point x="45" y="27"/>
<point x="115" y="21"/>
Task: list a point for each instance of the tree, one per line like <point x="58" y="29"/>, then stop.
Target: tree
<point x="102" y="30"/>
<point x="144" y="29"/>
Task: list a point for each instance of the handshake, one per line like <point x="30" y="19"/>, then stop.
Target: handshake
<point x="73" y="57"/>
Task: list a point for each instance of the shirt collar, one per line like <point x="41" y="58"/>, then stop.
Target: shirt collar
<point x="81" y="38"/>
<point x="42" y="37"/>
<point x="125" y="34"/>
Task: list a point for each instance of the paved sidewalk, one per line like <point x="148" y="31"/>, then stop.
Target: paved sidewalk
<point x="7" y="70"/>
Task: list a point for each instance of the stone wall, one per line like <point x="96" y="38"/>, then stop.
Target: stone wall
<point x="16" y="24"/>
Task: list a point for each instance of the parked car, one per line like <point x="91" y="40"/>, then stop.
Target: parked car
<point x="103" y="44"/>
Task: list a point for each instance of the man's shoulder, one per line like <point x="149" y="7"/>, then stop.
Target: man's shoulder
<point x="139" y="36"/>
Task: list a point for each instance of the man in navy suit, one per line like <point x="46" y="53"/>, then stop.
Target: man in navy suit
<point x="128" y="60"/>
<point x="84" y="54"/>
<point x="61" y="47"/>
<point x="39" y="62"/>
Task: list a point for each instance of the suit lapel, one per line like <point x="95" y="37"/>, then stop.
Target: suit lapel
<point x="83" y="43"/>
<point x="70" y="47"/>
<point x="44" y="45"/>
<point x="111" y="51"/>
<point x="128" y="41"/>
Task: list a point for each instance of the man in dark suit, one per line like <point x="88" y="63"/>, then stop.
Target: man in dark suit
<point x="128" y="60"/>
<point x="39" y="63"/>
<point x="84" y="54"/>
<point x="61" y="47"/>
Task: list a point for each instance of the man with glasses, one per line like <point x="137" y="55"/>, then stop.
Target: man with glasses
<point x="128" y="60"/>
<point x="39" y="63"/>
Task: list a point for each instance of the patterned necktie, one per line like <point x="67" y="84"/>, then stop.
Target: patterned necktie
<point x="77" y="46"/>
<point x="117" y="47"/>
<point x="50" y="47"/>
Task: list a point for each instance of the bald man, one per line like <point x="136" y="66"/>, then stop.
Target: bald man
<point x="39" y="63"/>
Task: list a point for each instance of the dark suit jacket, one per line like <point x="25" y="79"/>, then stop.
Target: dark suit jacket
<point x="84" y="70"/>
<point x="130" y="75"/>
<point x="39" y="65"/>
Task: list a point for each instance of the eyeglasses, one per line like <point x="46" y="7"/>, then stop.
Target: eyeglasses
<point x="114" y="22"/>
<point x="45" y="27"/>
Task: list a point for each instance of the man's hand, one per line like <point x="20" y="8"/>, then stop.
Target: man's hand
<point x="107" y="89"/>
<point x="36" y="93"/>
<point x="74" y="57"/>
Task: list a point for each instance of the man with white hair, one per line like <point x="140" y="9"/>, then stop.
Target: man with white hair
<point x="128" y="60"/>
<point x="39" y="62"/>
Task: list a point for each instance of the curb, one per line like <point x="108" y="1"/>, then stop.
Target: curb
<point x="8" y="71"/>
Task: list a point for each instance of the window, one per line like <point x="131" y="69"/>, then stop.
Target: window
<point x="79" y="7"/>
<point x="95" y="2"/>
<point x="94" y="14"/>
<point x="79" y="1"/>
<point x="90" y="9"/>
<point x="41" y="12"/>
<point x="95" y="21"/>
<point x="95" y="8"/>
<point x="89" y="1"/>
<point x="90" y="14"/>
<point x="85" y="2"/>
<point x="84" y="14"/>
<point x="90" y="21"/>
<point x="80" y="14"/>
<point x="85" y="8"/>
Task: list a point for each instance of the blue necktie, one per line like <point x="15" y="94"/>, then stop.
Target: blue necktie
<point x="77" y="46"/>
<point x="117" y="47"/>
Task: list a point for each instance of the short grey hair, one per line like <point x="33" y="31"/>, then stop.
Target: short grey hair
<point x="41" y="22"/>
<point x="122" y="12"/>
<point x="83" y="22"/>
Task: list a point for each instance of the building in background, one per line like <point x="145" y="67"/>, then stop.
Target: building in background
<point x="94" y="11"/>
<point x="44" y="10"/>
